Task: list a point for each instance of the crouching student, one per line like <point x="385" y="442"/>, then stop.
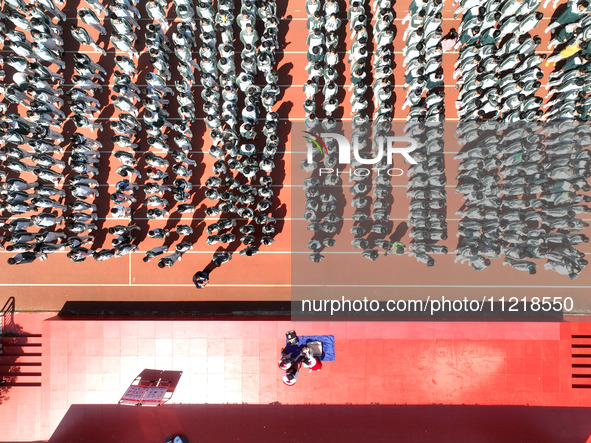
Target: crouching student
<point x="309" y="361"/>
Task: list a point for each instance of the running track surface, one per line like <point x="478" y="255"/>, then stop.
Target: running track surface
<point x="45" y="286"/>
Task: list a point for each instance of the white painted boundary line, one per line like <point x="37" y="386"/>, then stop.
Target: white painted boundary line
<point x="291" y="286"/>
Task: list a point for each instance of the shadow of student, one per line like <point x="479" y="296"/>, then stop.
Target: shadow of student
<point x="282" y="32"/>
<point x="279" y="215"/>
<point x="399" y="232"/>
<point x="198" y="229"/>
<point x="285" y="79"/>
<point x="231" y="249"/>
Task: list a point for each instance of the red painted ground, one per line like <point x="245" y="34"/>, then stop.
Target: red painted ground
<point x="93" y="362"/>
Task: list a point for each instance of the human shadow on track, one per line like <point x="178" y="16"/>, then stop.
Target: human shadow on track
<point x="399" y="232"/>
<point x="283" y="129"/>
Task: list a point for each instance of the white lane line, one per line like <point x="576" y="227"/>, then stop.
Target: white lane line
<point x="136" y="284"/>
<point x="238" y="218"/>
<point x="234" y="285"/>
<point x="343" y="19"/>
<point x="299" y="119"/>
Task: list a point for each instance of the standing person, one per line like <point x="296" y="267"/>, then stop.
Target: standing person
<point x="47" y="219"/>
<point x="220" y="258"/>
<point x="78" y="255"/>
<point x="159" y="233"/>
<point x="159" y="250"/>
<point x="398" y="248"/>
<point x="103" y="254"/>
<point x="83" y="37"/>
<point x="124" y="249"/>
<point x="176" y="439"/>
<point x="18" y="224"/>
<point x="201" y="279"/>
<point x="90" y="18"/>
<point x="120" y="211"/>
<point x="169" y="260"/>
<point x="26" y="257"/>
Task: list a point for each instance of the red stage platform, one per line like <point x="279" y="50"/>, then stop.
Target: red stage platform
<point x="91" y="362"/>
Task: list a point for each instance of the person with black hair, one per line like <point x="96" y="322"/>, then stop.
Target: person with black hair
<point x="26" y="257"/>
<point x="354" y="12"/>
<point x="83" y="37"/>
<point x="291" y="375"/>
<point x="170" y="260"/>
<point x="201" y="279"/>
<point x="220" y="258"/>
<point x="309" y="360"/>
<point x="79" y="254"/>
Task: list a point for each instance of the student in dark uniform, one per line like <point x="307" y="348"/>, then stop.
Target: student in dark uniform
<point x="201" y="279"/>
